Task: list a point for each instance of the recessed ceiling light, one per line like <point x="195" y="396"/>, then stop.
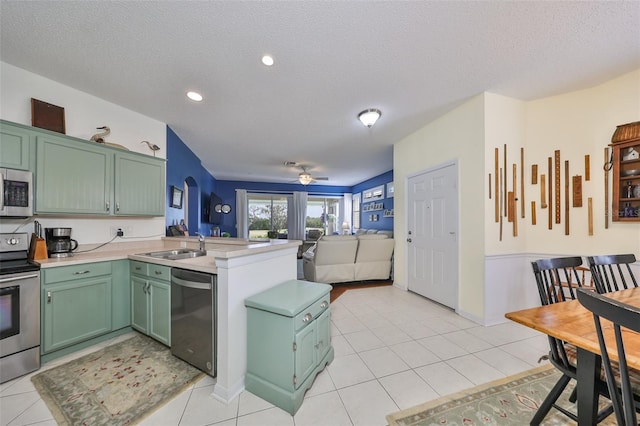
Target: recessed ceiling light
<point x="194" y="96"/>
<point x="267" y="60"/>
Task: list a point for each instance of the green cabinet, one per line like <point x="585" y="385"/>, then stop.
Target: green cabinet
<point x="139" y="185"/>
<point x="288" y="341"/>
<point x="72" y="178"/>
<point x="16" y="146"/>
<point x="121" y="295"/>
<point x="76" y="304"/>
<point x="151" y="300"/>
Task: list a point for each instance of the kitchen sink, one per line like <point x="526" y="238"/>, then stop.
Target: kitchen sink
<point x="176" y="254"/>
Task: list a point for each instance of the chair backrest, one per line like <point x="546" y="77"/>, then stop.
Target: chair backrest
<point x="557" y="278"/>
<point x="621" y="315"/>
<point x="613" y="272"/>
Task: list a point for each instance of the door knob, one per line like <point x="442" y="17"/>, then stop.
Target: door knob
<point x="408" y="240"/>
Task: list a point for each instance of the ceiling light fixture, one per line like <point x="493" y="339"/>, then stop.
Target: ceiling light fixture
<point x="267" y="60"/>
<point x="368" y="117"/>
<point x="305" y="178"/>
<point x="194" y="96"/>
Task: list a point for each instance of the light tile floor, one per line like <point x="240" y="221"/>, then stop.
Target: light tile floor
<point x="393" y="350"/>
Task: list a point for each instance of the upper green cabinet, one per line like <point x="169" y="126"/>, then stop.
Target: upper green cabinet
<point x="81" y="177"/>
<point x="139" y="184"/>
<point x="16" y="147"/>
<point x="73" y="178"/>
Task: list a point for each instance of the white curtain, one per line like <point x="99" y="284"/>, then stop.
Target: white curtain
<point x="347" y="212"/>
<point x="242" y="213"/>
<point x="297" y="216"/>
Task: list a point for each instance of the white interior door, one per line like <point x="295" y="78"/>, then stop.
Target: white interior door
<point x="432" y="234"/>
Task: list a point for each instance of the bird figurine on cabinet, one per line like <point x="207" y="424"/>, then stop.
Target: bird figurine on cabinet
<point x="152" y="146"/>
<point x="99" y="137"/>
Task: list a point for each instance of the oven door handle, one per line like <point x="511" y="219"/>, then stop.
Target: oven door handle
<point x="23" y="277"/>
<point x="1" y="191"/>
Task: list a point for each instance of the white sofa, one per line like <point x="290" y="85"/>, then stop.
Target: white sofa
<point x="345" y="258"/>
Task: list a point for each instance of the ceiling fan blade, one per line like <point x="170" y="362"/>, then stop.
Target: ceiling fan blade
<point x="320" y="178"/>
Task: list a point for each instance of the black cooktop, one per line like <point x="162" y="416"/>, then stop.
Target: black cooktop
<point x="17" y="266"/>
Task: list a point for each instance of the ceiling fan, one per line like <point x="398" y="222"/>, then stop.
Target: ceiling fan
<point x="304" y="177"/>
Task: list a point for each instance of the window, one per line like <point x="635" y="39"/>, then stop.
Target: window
<point x="267" y="213"/>
<point x="322" y="216"/>
<point x="355" y="219"/>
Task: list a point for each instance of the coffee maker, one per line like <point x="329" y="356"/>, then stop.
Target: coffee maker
<point x="59" y="242"/>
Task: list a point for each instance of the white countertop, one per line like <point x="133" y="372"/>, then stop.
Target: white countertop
<point x="217" y="247"/>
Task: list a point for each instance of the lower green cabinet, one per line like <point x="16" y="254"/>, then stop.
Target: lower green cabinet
<point x="76" y="304"/>
<point x="288" y="341"/>
<point x="151" y="300"/>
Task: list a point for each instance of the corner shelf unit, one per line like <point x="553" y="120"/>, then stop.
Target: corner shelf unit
<point x="626" y="173"/>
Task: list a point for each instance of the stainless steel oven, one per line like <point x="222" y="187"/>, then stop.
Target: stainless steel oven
<point x="16" y="193"/>
<point x="19" y="308"/>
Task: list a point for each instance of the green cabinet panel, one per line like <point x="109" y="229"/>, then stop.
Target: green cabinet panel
<point x="139" y="185"/>
<point x="16" y="147"/>
<point x="151" y="300"/>
<point x="75" y="311"/>
<point x="139" y="302"/>
<point x="121" y="296"/>
<point x="288" y="341"/>
<point x="72" y="178"/>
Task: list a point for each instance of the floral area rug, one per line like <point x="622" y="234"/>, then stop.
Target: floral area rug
<point x="117" y="385"/>
<point x="513" y="400"/>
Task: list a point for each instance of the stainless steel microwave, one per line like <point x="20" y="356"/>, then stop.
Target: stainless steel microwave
<point x="16" y="198"/>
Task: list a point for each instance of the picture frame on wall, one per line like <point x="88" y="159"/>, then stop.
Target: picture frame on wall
<point x="176" y="197"/>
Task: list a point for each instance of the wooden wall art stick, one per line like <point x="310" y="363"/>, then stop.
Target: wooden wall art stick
<point x="504" y="188"/>
<point x="511" y="201"/>
<point x="566" y="197"/>
<point x="550" y="195"/>
<point x="556" y="184"/>
<point x="533" y="213"/>
<point x="522" y="182"/>
<point x="515" y="200"/>
<point x="496" y="164"/>
<point x="502" y="201"/>
<point x="587" y="168"/>
<point x="534" y="174"/>
<point x="543" y="191"/>
<point x="606" y="189"/>
<point x="577" y="191"/>
<point x="590" y="207"/>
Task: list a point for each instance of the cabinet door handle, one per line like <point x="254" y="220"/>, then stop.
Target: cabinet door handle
<point x="324" y="304"/>
<point x="117" y="207"/>
<point x="158" y="272"/>
<point x="307" y="318"/>
<point x="108" y="206"/>
<point x="148" y="288"/>
<point x="81" y="272"/>
<point x="320" y="344"/>
<point x="48" y="297"/>
<point x="138" y="268"/>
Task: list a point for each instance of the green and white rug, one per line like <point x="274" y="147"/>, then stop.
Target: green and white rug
<point x="118" y="385"/>
<point x="510" y="401"/>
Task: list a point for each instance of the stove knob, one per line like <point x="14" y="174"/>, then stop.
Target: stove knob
<point x="13" y="241"/>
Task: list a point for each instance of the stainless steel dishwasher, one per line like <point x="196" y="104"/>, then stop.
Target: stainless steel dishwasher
<point x="194" y="318"/>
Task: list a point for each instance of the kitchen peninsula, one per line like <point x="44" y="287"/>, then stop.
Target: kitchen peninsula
<point x="243" y="267"/>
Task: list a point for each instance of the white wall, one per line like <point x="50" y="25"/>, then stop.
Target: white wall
<point x="459" y="135"/>
<point x="495" y="275"/>
<point x="83" y="113"/>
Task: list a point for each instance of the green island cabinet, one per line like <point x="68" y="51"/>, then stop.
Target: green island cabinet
<point x="74" y="176"/>
<point x="288" y="341"/>
<point x="17" y="145"/>
<point x="81" y="302"/>
<point x="151" y="300"/>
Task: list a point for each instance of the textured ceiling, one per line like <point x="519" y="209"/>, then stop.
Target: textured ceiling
<point x="412" y="60"/>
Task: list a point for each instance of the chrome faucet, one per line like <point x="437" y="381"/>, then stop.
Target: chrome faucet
<point x="201" y="241"/>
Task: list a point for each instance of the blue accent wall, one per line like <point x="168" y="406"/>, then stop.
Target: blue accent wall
<point x="387" y="202"/>
<point x="183" y="165"/>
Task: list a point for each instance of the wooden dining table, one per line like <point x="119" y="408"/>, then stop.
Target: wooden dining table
<point x="574" y="324"/>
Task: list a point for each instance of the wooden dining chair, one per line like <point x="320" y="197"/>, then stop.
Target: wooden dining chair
<point x="558" y="280"/>
<point x="618" y="374"/>
<point x="613" y="272"/>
